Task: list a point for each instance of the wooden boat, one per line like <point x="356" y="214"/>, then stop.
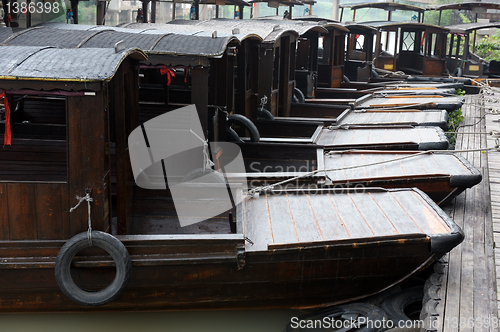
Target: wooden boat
<point x="441" y="176"/>
<point x="249" y="257"/>
<point x="461" y="59"/>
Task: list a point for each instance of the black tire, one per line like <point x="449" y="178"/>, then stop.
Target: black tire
<point x="245" y="122"/>
<point x="346" y="79"/>
<point x="299" y="96"/>
<point x="396" y="304"/>
<point x="211" y="176"/>
<point x="371" y="312"/>
<point x="374" y="73"/>
<point x="265" y="114"/>
<point x="232" y="136"/>
<point x="104" y="241"/>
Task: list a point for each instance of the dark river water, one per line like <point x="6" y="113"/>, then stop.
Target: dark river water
<point x="192" y="321"/>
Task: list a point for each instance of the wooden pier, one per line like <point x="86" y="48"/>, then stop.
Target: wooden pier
<point x="467" y="299"/>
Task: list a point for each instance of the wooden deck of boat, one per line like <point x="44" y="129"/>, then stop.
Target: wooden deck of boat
<point x="362" y="136"/>
<point x="308" y="218"/>
<point x="468" y="291"/>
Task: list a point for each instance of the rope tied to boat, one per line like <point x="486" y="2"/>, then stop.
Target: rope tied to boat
<point x="207" y="163"/>
<point x="89" y="200"/>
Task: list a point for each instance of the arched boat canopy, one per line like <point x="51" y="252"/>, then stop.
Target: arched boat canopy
<point x="151" y="41"/>
<point x="65" y="65"/>
<point x="388" y="6"/>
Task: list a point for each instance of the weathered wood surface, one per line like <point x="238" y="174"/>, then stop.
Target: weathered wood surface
<point x="468" y="292"/>
<point x="382" y="138"/>
<point x="397" y="117"/>
<point x="292" y="219"/>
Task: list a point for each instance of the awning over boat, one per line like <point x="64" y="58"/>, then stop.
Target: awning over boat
<point x="465" y="6"/>
<point x="152" y="41"/>
<point x="384" y="25"/>
<point x="470" y="27"/>
<point x="389" y="6"/>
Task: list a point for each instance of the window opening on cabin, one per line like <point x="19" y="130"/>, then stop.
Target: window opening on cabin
<point x="360" y="42"/>
<point x="408" y="43"/>
<point x="388" y="41"/>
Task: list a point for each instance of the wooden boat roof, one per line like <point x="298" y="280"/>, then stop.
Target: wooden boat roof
<point x="355" y="27"/>
<point x="152" y="41"/>
<point x="389" y="6"/>
<point x="465" y="6"/>
<point x="56" y="64"/>
<point x="282" y="2"/>
<point x="226" y="2"/>
<point x="470" y="27"/>
<point x="303" y="24"/>
<point x="410" y="24"/>
<point x="456" y="168"/>
<point x="294" y="219"/>
<point x="268" y="31"/>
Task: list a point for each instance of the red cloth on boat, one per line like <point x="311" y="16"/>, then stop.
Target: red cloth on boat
<point x="168" y="72"/>
<point x="7" y="134"/>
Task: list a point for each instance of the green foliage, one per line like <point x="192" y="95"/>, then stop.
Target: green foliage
<point x="454" y="119"/>
<point x="489" y="47"/>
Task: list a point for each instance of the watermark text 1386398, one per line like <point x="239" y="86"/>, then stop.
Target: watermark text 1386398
<point x="37" y="7"/>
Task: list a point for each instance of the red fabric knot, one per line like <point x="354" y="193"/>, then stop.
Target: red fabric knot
<point x="168" y="72"/>
<point x="7" y="135"/>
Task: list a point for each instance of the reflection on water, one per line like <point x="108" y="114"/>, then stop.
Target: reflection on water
<point x="182" y="321"/>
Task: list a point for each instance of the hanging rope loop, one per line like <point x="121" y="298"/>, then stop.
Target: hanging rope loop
<point x="89" y="200"/>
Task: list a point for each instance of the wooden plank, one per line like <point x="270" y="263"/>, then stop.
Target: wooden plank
<point x="354" y="222"/>
<point x="452" y="300"/>
<point x="22" y="213"/>
<point x="395" y="213"/>
<point x="257" y="223"/>
<point x="306" y="225"/>
<point x="282" y="224"/>
<point x="4" y="212"/>
<point x="425" y="218"/>
<point x="330" y="224"/>
<point x="49" y="219"/>
<point x="375" y="217"/>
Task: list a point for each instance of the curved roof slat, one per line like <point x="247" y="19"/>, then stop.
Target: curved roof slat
<point x="465" y="6"/>
<point x="58" y="64"/>
<point x="469" y="27"/>
<point x="383" y="5"/>
<point x="192" y="45"/>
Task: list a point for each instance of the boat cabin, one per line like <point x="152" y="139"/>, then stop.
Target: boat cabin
<point x="415" y="49"/>
<point x="460" y="58"/>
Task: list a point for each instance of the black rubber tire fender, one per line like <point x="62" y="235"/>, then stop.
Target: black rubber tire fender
<point x="115" y="249"/>
<point x="245" y="122"/>
<point x="395" y="305"/>
<point x="298" y="96"/>
<point x="265" y="114"/>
